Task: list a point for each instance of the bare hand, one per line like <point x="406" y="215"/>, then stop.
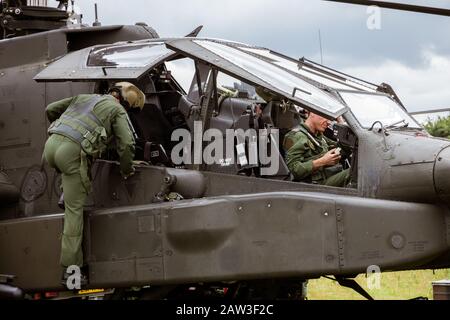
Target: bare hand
<point x="330" y="158"/>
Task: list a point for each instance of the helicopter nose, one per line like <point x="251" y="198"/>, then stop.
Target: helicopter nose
<point x="442" y="175"/>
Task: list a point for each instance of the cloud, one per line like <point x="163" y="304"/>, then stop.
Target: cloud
<point x="288" y="26"/>
<point x="420" y="88"/>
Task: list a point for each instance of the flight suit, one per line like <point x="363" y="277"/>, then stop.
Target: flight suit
<point x="302" y="148"/>
<point x="81" y="129"/>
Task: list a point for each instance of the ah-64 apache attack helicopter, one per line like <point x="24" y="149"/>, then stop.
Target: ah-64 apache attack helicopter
<point x="230" y="224"/>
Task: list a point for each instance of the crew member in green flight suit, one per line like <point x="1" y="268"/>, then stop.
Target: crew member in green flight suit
<point x="309" y="153"/>
<point x="80" y="131"/>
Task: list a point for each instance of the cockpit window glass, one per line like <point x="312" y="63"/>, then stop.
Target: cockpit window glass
<point x="271" y="74"/>
<point x="369" y="108"/>
<point x="119" y="61"/>
<point x="127" y="56"/>
<point x="293" y="66"/>
<point x="183" y="71"/>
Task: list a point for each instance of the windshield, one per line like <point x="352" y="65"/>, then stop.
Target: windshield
<point x="369" y="108"/>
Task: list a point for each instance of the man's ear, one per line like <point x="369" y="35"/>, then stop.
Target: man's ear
<point x="115" y="94"/>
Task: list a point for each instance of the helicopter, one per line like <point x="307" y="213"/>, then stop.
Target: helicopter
<point x="230" y="224"/>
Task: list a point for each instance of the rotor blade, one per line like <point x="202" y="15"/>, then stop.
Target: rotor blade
<point x="398" y="6"/>
<point x="430" y="111"/>
<point x="195" y="32"/>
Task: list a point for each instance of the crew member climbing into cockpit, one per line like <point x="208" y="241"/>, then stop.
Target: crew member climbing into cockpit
<point x="81" y="128"/>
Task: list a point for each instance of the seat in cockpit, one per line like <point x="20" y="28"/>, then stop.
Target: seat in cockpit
<point x="151" y="125"/>
<point x="152" y="128"/>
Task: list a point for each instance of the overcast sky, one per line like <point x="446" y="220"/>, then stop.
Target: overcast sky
<point x="411" y="51"/>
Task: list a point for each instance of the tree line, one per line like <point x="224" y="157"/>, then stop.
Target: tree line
<point x="439" y="128"/>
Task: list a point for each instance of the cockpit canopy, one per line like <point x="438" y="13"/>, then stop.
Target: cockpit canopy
<point x="304" y="83"/>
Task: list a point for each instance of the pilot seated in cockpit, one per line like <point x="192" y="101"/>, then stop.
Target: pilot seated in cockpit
<point x="311" y="157"/>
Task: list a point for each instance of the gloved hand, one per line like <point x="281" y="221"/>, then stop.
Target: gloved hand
<point x="135" y="163"/>
<point x="140" y="163"/>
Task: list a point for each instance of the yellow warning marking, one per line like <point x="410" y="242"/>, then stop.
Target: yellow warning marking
<point x="91" y="291"/>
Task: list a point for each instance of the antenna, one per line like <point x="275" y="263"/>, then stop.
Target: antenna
<point x="320" y="44"/>
<point x="96" y="23"/>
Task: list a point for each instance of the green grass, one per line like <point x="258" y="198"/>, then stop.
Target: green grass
<point x="394" y="286"/>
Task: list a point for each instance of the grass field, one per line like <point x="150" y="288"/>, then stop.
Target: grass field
<point x="394" y="286"/>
